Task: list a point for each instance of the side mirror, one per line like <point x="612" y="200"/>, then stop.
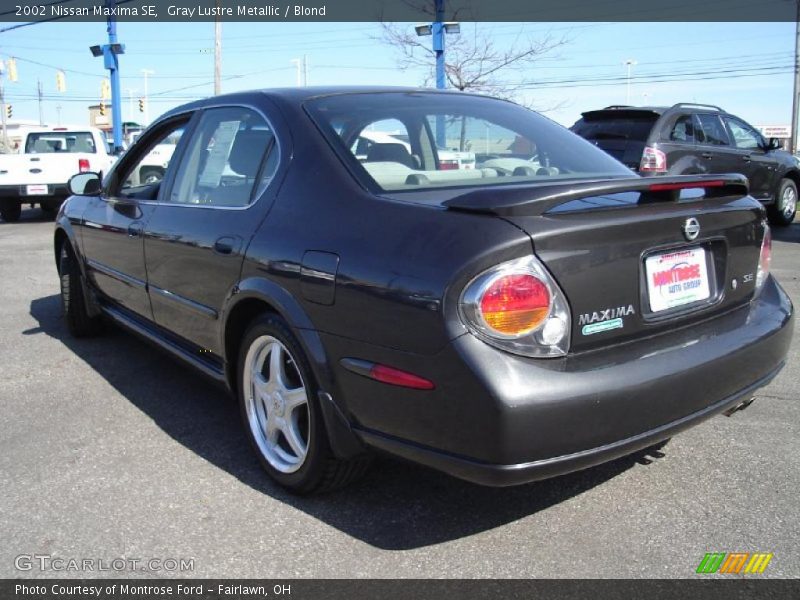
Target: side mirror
<point x="85" y="184"/>
<point x="773" y="144"/>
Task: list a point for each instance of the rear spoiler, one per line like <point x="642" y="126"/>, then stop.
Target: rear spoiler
<point x="537" y="199"/>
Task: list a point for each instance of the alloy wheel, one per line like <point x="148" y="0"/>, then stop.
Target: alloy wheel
<point x="276" y="403"/>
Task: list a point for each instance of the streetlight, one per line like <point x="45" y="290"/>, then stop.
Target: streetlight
<point x="629" y="64"/>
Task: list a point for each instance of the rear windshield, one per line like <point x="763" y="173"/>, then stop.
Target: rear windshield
<point x="60" y="141"/>
<point x="612" y="126"/>
<point x="412" y="141"/>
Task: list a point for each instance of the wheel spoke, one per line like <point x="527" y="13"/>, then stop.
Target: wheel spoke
<point x="294" y="398"/>
<point x="293" y="438"/>
<point x="260" y="385"/>
<point x="276" y="366"/>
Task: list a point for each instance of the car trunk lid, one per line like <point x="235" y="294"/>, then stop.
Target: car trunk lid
<point x="636" y="257"/>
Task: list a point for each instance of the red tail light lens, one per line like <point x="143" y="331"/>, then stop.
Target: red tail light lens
<point x="764" y="259"/>
<point x="83" y="165"/>
<point x="515" y="304"/>
<point x="448" y="165"/>
<point x="653" y="161"/>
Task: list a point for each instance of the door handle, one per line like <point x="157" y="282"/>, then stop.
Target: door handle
<point x="227" y="245"/>
<point x="707" y="155"/>
<point x="134" y="230"/>
<point x="746" y="158"/>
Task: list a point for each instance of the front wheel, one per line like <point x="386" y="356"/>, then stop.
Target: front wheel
<point x="11" y="211"/>
<point x="73" y="304"/>
<point x="281" y="412"/>
<point x="783" y="211"/>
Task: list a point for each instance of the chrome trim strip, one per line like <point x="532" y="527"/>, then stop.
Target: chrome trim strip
<point x="202" y="309"/>
<point x="114" y="274"/>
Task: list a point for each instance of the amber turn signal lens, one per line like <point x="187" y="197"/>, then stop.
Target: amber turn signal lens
<point x="515" y="304"/>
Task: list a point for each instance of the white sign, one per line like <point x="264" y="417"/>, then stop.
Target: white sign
<point x="776" y="131"/>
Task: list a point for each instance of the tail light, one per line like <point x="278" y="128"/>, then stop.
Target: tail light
<point x="653" y="161"/>
<point x="448" y="165"/>
<point x="517" y="306"/>
<point x="83" y="165"/>
<point x="764" y="259"/>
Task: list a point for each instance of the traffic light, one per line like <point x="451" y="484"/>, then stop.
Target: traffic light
<point x="102" y="109"/>
<point x="9" y="111"/>
<point x="12" y="69"/>
<point x="141" y="105"/>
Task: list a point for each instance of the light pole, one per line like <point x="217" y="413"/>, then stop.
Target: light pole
<point x="437" y="31"/>
<point x="145" y="73"/>
<point x="110" y="53"/>
<point x="629" y="64"/>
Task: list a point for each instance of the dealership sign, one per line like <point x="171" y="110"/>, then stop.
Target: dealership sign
<point x="776" y="131"/>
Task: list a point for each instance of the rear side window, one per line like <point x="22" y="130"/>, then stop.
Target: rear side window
<point x="60" y="141"/>
<point x="224" y="159"/>
<point x="711" y="131"/>
<point x="612" y="125"/>
<point x="683" y="130"/>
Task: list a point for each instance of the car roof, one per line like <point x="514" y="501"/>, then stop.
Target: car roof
<point x="657" y="110"/>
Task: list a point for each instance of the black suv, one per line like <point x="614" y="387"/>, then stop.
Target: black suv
<point x="687" y="139"/>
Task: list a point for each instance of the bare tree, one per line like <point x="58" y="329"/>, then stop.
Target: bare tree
<point x="474" y="61"/>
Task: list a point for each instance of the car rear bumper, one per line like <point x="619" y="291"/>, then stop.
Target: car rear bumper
<point x="19" y="192"/>
<point x="518" y="420"/>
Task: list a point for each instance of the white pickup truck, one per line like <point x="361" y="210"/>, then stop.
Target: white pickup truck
<point x="47" y="159"/>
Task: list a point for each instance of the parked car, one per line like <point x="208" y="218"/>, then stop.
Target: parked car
<point x="689" y="139"/>
<point x="501" y="327"/>
<point x="48" y="158"/>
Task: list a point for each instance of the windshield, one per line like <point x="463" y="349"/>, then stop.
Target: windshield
<point x="414" y="140"/>
<point x="60" y="141"/>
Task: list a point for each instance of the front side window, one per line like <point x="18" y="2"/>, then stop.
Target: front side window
<point x="60" y="141"/>
<point x="224" y="158"/>
<point x="744" y="136"/>
<point x="142" y="174"/>
<point x="409" y="141"/>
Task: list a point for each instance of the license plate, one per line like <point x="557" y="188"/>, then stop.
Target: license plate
<point x="676" y="278"/>
<point x="36" y="190"/>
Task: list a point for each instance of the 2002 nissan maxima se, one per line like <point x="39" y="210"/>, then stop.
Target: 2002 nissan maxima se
<point x="535" y="312"/>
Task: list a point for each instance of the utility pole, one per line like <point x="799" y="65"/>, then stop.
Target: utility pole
<point x="58" y="112"/>
<point x="39" y="90"/>
<point x="628" y="63"/>
<point x="146" y="72"/>
<point x="217" y="53"/>
<point x="305" y="70"/>
<point x="3" y="106"/>
<point x="795" y="100"/>
<point x="299" y="64"/>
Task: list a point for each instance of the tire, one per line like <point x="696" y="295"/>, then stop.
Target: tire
<point x="282" y="403"/>
<point x="50" y="207"/>
<point x="783" y="211"/>
<point x="73" y="304"/>
<point x="11" y="211"/>
<point x="150" y="176"/>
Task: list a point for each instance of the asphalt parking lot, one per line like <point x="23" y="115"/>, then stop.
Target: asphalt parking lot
<point x="109" y="449"/>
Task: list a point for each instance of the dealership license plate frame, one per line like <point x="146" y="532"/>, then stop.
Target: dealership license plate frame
<point x="37" y="189"/>
<point x="658" y="301"/>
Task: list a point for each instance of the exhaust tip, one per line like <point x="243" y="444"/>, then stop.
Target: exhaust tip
<point x="741" y="406"/>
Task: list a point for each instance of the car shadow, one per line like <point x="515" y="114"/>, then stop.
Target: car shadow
<point x="397" y="506"/>
<point x="787" y="234"/>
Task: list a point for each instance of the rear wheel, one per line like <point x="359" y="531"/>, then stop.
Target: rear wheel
<point x="281" y="411"/>
<point x="73" y="303"/>
<point x="11" y="211"/>
<point x="782" y="212"/>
